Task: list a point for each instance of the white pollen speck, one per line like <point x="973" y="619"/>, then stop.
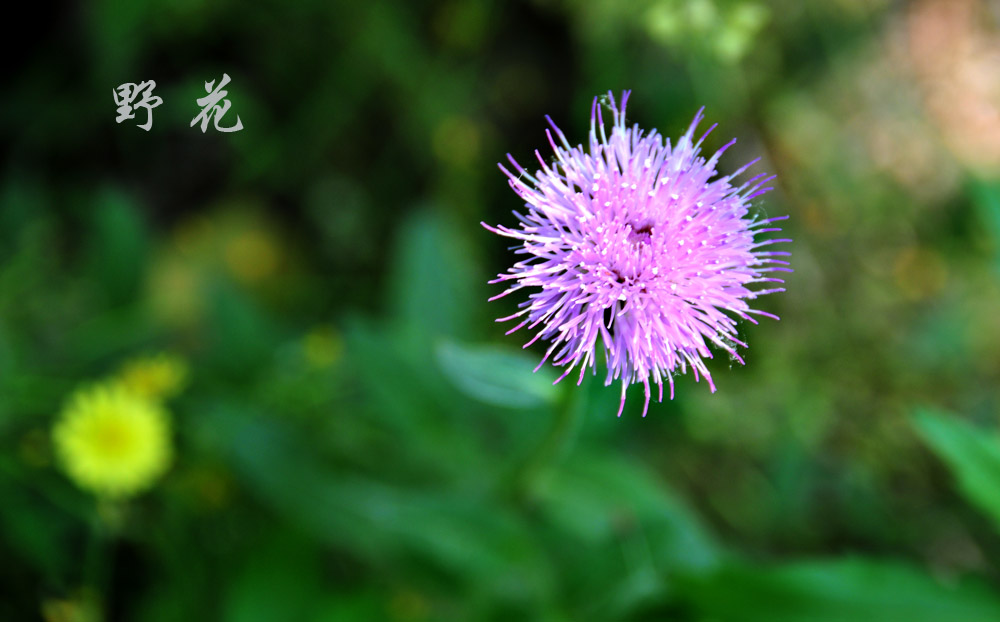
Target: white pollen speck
<point x="675" y="196"/>
<point x="607" y="204"/>
<point x="652" y="193"/>
<point x="656" y="270"/>
<point x="699" y="204"/>
<point x="594" y="188"/>
<point x="632" y="186"/>
<point x="673" y="287"/>
<point x="621" y="296"/>
<point x="689" y="251"/>
<point x="680" y="243"/>
<point x="688" y="218"/>
<point x="648" y="163"/>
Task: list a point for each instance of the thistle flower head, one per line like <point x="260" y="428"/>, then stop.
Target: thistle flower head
<point x="640" y="245"/>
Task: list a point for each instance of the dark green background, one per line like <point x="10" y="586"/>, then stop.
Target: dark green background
<point x="414" y="468"/>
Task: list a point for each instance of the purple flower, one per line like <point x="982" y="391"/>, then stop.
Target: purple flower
<point x="632" y="241"/>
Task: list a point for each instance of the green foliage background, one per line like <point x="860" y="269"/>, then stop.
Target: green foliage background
<point x="360" y="440"/>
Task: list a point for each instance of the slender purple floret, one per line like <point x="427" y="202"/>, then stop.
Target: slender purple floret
<point x="639" y="244"/>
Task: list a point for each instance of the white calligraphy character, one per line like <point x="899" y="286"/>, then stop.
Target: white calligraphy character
<point x="210" y="107"/>
<point x="125" y="94"/>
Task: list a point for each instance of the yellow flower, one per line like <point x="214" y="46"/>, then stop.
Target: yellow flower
<point x="252" y="256"/>
<point x="155" y="377"/>
<point x="322" y="347"/>
<point x="83" y="607"/>
<point x="112" y="441"/>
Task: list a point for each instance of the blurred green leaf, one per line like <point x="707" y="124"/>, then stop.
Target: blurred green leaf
<point x="461" y="533"/>
<point x="113" y="331"/>
<point x="357" y="605"/>
<point x="409" y="398"/>
<point x="972" y="455"/>
<point x="118" y="246"/>
<point x="282" y="580"/>
<point x="37" y="518"/>
<point x="242" y="335"/>
<point x="23" y="202"/>
<point x="38" y="537"/>
<point x="847" y="590"/>
<point x="496" y="375"/>
<point x="432" y="290"/>
<point x="597" y="496"/>
<point x="986" y="195"/>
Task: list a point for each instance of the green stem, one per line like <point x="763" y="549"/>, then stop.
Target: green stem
<point x="97" y="561"/>
<point x="553" y="446"/>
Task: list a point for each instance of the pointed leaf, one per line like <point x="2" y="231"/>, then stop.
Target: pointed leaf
<point x="972" y="455"/>
<point x="850" y="590"/>
<point x="496" y="375"/>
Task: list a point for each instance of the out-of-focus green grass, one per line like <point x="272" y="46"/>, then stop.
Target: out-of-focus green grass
<point x="357" y="438"/>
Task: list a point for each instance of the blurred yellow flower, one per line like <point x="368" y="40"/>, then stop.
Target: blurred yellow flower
<point x="111" y="441"/>
<point x="176" y="290"/>
<point x="252" y="255"/>
<point x="158" y="377"/>
<point x="322" y="347"/>
<point x="82" y="607"/>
